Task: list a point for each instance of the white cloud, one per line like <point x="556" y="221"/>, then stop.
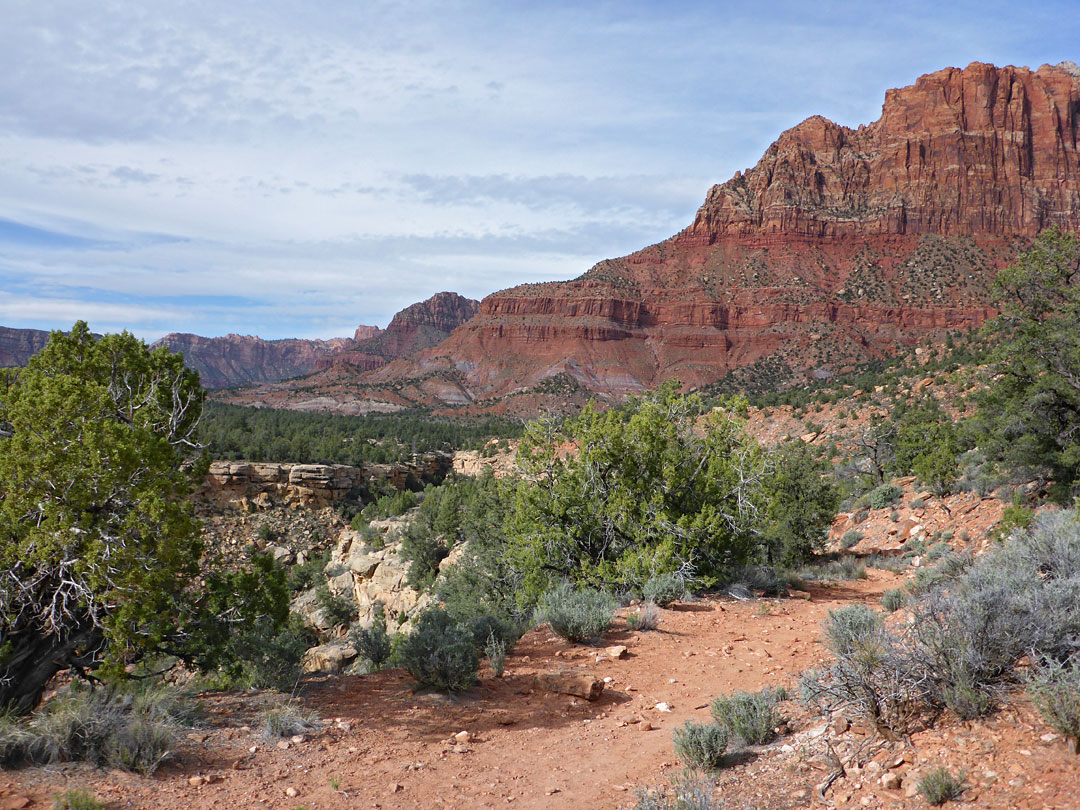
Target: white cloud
<point x="298" y="168"/>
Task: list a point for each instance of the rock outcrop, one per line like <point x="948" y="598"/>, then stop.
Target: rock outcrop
<point x="260" y="485"/>
<point x="840" y="245"/>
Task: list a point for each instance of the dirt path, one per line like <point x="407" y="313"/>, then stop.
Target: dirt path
<point x="386" y="747"/>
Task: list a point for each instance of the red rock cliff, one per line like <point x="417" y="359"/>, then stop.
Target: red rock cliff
<point x="231" y="360"/>
<point x="840" y="245"/>
<point x="17" y="346"/>
<point x="418" y="326"/>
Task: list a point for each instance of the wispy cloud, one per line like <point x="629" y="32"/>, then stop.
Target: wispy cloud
<point x="283" y="169"/>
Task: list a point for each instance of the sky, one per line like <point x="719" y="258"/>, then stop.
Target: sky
<point x="294" y="169"/>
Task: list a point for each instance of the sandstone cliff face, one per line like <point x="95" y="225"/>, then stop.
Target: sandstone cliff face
<point x="17" y="346"/>
<point x="231" y="360"/>
<point x="841" y="245"/>
<point x="248" y="485"/>
<point x="225" y="362"/>
<point x="419" y="326"/>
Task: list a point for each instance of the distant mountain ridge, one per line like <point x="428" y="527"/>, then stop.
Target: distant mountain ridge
<point x="17" y="346"/>
<point x="231" y="360"/>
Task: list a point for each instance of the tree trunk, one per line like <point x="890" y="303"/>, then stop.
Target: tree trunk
<point x="33" y="659"/>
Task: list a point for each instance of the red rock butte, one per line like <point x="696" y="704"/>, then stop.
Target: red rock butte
<point x="841" y="245"/>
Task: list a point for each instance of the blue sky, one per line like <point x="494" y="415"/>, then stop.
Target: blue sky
<point x="293" y="169"/>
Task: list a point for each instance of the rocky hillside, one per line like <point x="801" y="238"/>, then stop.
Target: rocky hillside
<point x="17" y="346"/>
<point x="419" y="326"/>
<point x="231" y="360"/>
<point x="839" y="246"/>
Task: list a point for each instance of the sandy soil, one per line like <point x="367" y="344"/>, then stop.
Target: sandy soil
<point x="383" y="746"/>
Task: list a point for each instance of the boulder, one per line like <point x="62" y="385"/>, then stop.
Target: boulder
<point x="328" y="658"/>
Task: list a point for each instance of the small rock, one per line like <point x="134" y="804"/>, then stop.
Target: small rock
<point x="663" y="707"/>
<point x="551" y="791"/>
<point x="462" y="737"/>
<point x="1049" y="737"/>
<point x="580" y="685"/>
<point x="616" y="651"/>
<point x="840" y="725"/>
<point x="195" y="781"/>
<point x="645" y="726"/>
<point x="292" y="792"/>
<point x="891" y="781"/>
<point x="283" y="745"/>
<point x="395" y="788"/>
<point x="297" y="738"/>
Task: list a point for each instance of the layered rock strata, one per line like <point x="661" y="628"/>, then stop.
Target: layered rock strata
<point x="840" y="245"/>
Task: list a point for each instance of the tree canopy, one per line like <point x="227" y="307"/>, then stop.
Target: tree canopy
<point x="1031" y="412"/>
<point x="97" y="541"/>
<point x="613" y="498"/>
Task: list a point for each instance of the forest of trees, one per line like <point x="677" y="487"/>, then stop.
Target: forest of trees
<point x="261" y="434"/>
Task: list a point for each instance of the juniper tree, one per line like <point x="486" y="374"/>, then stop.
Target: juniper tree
<point x="97" y="541"/>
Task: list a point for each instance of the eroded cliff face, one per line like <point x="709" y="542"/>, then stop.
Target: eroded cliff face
<point x="17" y="346"/>
<point x="419" y="326"/>
<point x="235" y="360"/>
<point x="839" y="246"/>
<point x="231" y="360"/>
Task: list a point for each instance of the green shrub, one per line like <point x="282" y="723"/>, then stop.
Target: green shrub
<point x="700" y="745"/>
<point x="850" y="539"/>
<point x="286" y="718"/>
<point x="847" y="567"/>
<point x="489" y="624"/>
<point x="134" y="731"/>
<point x="848" y="629"/>
<point x="338" y="609"/>
<point x="665" y="589"/>
<point x="440" y="654"/>
<point x="937" y="551"/>
<point x="939" y="786"/>
<point x="77" y="800"/>
<point x="495" y="649"/>
<point x="576" y="615"/>
<point x="261" y="656"/>
<point x="392" y="505"/>
<point x="883" y="562"/>
<point x="750" y="716"/>
<point x="894" y="599"/>
<point x="308" y="573"/>
<point x="884" y="495"/>
<point x="1054" y="688"/>
<point x="373" y="643"/>
<point x="1013" y="517"/>
<point x="690" y="791"/>
<point x="647" y="618"/>
<point x="917" y="503"/>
